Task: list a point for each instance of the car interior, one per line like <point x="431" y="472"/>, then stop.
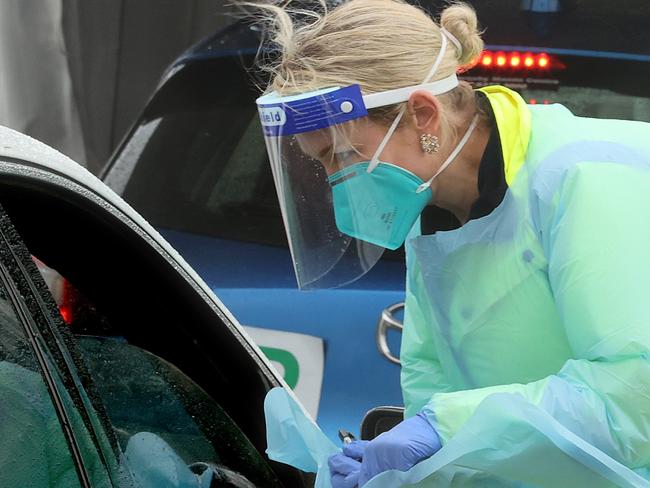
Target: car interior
<point x="153" y="345"/>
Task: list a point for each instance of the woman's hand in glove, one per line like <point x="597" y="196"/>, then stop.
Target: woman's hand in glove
<point x="401" y="448"/>
<point x="345" y="467"/>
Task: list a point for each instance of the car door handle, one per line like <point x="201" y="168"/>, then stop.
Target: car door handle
<point x="388" y="321"/>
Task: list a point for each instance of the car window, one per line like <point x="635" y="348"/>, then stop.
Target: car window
<point x="168" y="430"/>
<point x="150" y="404"/>
<point x="588" y="85"/>
<point x="198" y="164"/>
<point x="594" y="102"/>
<point x="144" y="393"/>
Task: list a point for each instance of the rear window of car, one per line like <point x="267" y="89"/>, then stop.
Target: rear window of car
<point x="601" y="85"/>
<point x="197" y="160"/>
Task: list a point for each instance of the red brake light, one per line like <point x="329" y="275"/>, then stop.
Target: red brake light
<point x="529" y="61"/>
<point x="518" y="61"/>
<point x="515" y="60"/>
<point x="486" y="59"/>
<point x="543" y="61"/>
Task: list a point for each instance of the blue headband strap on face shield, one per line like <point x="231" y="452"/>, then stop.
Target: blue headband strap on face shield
<point x="296" y="114"/>
<point x="285" y="116"/>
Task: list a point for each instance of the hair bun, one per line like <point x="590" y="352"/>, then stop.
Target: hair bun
<point x="460" y="20"/>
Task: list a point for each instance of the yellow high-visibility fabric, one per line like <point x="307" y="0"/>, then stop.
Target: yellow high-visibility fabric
<point x="514" y="124"/>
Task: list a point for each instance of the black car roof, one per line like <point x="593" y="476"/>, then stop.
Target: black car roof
<point x="582" y="25"/>
<point x="597" y="28"/>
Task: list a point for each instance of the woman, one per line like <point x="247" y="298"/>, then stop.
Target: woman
<point x="535" y="305"/>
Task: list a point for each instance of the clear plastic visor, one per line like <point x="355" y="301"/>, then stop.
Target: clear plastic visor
<point x="302" y="166"/>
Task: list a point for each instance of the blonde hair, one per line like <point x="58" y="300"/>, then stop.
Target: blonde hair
<point x="377" y="44"/>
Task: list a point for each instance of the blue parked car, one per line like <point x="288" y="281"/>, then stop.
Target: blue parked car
<point x="194" y="164"/>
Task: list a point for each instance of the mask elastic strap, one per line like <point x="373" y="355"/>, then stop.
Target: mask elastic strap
<point x="391" y="130"/>
<point x="374" y="162"/>
<point x="452" y="156"/>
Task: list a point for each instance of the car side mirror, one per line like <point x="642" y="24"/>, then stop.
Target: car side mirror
<point x="379" y="420"/>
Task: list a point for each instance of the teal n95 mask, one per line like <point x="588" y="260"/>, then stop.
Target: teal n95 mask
<point x="378" y="207"/>
<point x="341" y="210"/>
<point x="381" y="206"/>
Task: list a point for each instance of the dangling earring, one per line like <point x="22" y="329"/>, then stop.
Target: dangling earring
<point x="429" y="143"/>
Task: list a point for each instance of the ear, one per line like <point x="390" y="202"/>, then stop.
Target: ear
<point x="425" y="110"/>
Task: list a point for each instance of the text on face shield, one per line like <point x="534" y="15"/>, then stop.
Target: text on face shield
<point x="272" y="116"/>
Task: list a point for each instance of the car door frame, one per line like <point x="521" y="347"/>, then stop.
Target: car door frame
<point x="68" y="179"/>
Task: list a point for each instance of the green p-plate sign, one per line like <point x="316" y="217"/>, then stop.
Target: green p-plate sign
<point x="288" y="362"/>
<point x="299" y="358"/>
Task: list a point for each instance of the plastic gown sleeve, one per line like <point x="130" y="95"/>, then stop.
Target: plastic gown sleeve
<point x="596" y="236"/>
<point x="293" y="438"/>
<point x="420" y="369"/>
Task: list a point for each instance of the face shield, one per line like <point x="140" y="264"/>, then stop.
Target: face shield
<point x="341" y="206"/>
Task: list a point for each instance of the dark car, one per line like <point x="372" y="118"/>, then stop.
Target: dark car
<point x="195" y="165"/>
<point x="138" y="377"/>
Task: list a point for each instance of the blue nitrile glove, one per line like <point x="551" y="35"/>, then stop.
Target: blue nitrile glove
<point x="345" y="467"/>
<point x="402" y="447"/>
